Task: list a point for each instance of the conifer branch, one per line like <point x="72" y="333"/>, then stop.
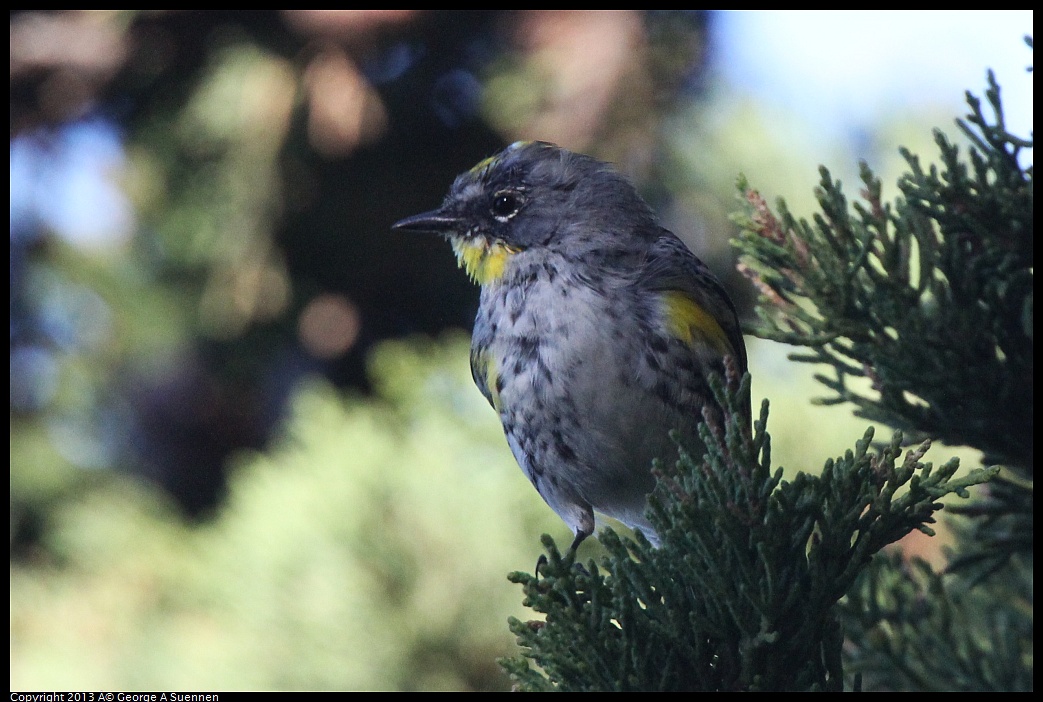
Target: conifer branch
<point x="930" y="297"/>
<point x="742" y="593"/>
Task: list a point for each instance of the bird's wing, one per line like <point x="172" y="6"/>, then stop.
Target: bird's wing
<point x="696" y="309"/>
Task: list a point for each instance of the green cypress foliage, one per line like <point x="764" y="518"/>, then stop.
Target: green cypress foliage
<point x="929" y="298"/>
<point x="766" y="584"/>
<point x="742" y="594"/>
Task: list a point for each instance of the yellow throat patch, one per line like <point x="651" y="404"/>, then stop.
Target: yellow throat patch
<point x="484" y="260"/>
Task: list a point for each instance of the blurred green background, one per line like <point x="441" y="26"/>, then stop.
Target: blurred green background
<point x="246" y="452"/>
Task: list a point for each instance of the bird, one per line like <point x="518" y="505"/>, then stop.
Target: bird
<point x="596" y="326"/>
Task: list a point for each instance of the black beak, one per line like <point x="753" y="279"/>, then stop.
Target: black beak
<point x="435" y="221"/>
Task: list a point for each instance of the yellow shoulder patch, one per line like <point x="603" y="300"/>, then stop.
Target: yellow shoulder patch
<point x="688" y="321"/>
<point x="484" y="366"/>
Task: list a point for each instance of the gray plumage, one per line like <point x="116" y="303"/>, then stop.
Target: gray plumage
<point x="595" y="330"/>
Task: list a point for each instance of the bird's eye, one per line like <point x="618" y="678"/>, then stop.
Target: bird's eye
<point x="505" y="205"/>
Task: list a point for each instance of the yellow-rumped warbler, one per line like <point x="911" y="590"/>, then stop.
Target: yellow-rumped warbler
<point x="595" y="330"/>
